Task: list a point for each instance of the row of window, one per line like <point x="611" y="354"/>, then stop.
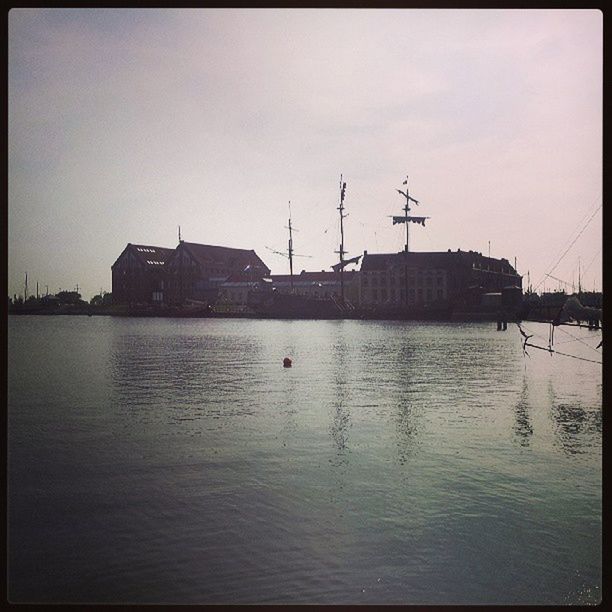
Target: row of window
<point x="382" y="295"/>
<point x="383" y="280"/>
<point x="487" y="268"/>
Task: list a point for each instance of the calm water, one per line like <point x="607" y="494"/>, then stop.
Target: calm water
<point x="177" y="461"/>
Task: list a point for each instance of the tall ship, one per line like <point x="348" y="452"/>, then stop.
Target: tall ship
<point x="309" y="295"/>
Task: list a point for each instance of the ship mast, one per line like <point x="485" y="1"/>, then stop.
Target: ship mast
<point x="290" y="249"/>
<point x="290" y="254"/>
<point x="406" y="218"/>
<point x="341" y="252"/>
<point x="406" y="211"/>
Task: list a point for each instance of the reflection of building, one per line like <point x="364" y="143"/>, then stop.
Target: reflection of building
<point x="138" y="275"/>
<point x="196" y="271"/>
<point x="422" y="279"/>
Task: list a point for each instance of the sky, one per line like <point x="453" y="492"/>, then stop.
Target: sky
<point x="127" y="123"/>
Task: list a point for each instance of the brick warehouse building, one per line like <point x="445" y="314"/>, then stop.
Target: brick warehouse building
<point x="196" y="271"/>
<point x="145" y="274"/>
<point x="138" y="275"/>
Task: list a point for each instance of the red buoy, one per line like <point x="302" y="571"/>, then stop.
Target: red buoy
<point x="286" y="362"/>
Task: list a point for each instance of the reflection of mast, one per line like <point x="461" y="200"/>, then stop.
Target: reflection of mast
<point x="341" y="252"/>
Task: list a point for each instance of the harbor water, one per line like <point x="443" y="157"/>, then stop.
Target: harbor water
<point x="178" y="461"/>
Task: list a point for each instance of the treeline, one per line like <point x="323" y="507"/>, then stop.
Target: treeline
<point x="61" y="302"/>
<point x="592" y="299"/>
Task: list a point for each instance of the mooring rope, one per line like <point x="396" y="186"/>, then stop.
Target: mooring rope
<point x="550" y="349"/>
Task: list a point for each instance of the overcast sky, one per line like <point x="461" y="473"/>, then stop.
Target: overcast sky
<point x="126" y="123"/>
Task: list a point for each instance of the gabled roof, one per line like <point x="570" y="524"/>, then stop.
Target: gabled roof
<point x="206" y="254"/>
<point x="149" y="256"/>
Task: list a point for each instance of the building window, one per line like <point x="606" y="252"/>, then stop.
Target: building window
<point x="375" y="295"/>
<point x="440" y="294"/>
<point x="383" y="295"/>
<point x="365" y="280"/>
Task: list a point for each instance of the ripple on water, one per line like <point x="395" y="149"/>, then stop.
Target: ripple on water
<point x="393" y="463"/>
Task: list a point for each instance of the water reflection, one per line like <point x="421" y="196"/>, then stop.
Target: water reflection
<point x="243" y="520"/>
<point x="522" y="424"/>
<point x="405" y="409"/>
<point x="407" y="438"/>
<point x="341" y="415"/>
<point x="341" y="423"/>
<point x="577" y="427"/>
<point x="288" y="406"/>
<point x="176" y="377"/>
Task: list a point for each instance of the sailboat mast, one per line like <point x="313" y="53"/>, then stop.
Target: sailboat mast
<point x="406" y="211"/>
<point x="342" y="251"/>
<point x="290" y="250"/>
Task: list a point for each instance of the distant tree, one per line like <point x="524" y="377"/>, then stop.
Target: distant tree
<point x="102" y="299"/>
<point x="69" y="297"/>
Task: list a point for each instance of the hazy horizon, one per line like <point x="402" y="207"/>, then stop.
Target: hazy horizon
<point x="127" y="123"/>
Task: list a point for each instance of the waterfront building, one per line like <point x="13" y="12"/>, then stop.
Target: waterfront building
<point x="195" y="272"/>
<point x="438" y="280"/>
<point x="145" y="274"/>
<point x="138" y="275"/>
<point x="319" y="284"/>
<point x="234" y="291"/>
